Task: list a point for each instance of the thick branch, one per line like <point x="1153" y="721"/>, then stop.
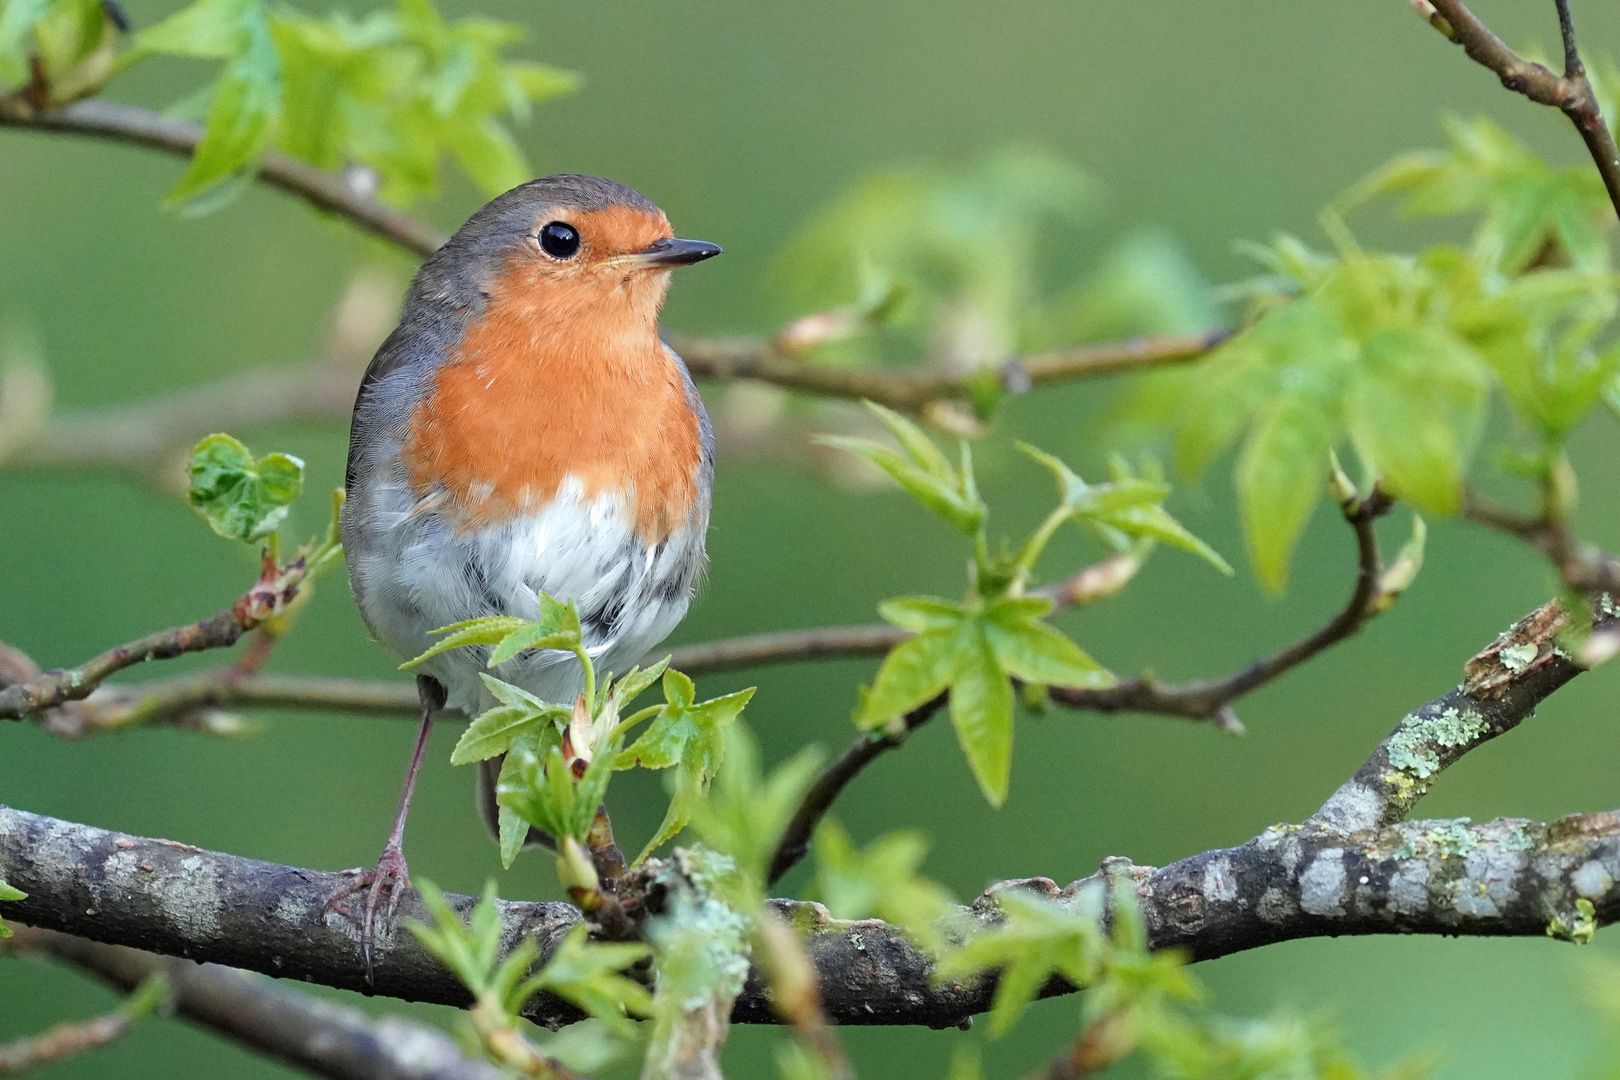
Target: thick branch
<point x="1570" y="92"/>
<point x="319" y="1036"/>
<point x="1501" y="687"/>
<point x="142" y="127"/>
<point x="1347" y="870"/>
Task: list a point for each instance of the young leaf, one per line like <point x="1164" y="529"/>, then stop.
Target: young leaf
<point x="468" y="950"/>
<point x="242" y="498"/>
<point x="1415" y="407"/>
<point x="7" y="892"/>
<point x="490" y="630"/>
<point x="685" y="732"/>
<point x="746" y="811"/>
<point x="540" y="786"/>
<point x="922" y="613"/>
<point x="1039" y="939"/>
<point x="982" y="712"/>
<point x="944" y="496"/>
<point x="493" y="732"/>
<point x="1029" y="649"/>
<point x="914" y="671"/>
<point x="880" y="882"/>
<point x="587" y="974"/>
<point x="917" y="445"/>
<point x="1280" y="477"/>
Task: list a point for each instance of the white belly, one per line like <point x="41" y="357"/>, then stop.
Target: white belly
<point x="412" y="572"/>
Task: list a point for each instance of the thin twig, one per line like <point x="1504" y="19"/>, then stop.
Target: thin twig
<point x="72" y="1038"/>
<point x="1571" y="92"/>
<point x="194" y="701"/>
<point x="1104" y="1041"/>
<point x="276" y="588"/>
<point x="1583" y="567"/>
<point x="762" y="359"/>
<point x="819" y="798"/>
<point x="143" y="127"/>
<point x="322" y="1037"/>
<point x="1211" y="699"/>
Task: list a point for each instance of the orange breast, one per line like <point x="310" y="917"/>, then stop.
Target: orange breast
<point x="551" y="384"/>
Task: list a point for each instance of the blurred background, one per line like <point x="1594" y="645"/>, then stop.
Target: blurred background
<point x="1207" y="122"/>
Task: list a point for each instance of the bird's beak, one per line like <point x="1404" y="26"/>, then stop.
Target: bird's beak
<point x="666" y="253"/>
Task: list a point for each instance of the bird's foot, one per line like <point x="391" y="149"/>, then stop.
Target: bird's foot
<point x="383" y="885"/>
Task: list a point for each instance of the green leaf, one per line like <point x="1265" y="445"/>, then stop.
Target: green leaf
<point x="1280" y="477"/>
<point x="247" y="102"/>
<point x="880" y="882"/>
<point x="687" y="734"/>
<point x="922" y="613"/>
<point x="684" y="732"/>
<point x="588" y="974"/>
<point x="7" y="892"/>
<point x="514" y="833"/>
<point x="914" y="671"/>
<point x="982" y="712"/>
<point x="541" y="787"/>
<point x="948" y="497"/>
<point x="746" y="811"/>
<point x="1415" y="407"/>
<point x="240" y="497"/>
<point x="490" y="630"/>
<point x="1037" y="940"/>
<point x="538" y="635"/>
<point x="1029" y="649"/>
<point x="493" y="732"/>
<point x="468" y="950"/>
<point x="917" y="445"/>
<point x="1116" y="512"/>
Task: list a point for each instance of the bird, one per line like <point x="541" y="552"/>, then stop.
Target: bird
<point x="525" y="430"/>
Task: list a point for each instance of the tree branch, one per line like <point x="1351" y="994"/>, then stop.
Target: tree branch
<point x="768" y="360"/>
<point x="1211" y="699"/>
<point x="321" y="1037"/>
<point x="142" y="127"/>
<point x="866" y="748"/>
<point x="1571" y="92"/>
<point x="1349" y="869"/>
<point x="1585" y="568"/>
<point x="276" y="588"/>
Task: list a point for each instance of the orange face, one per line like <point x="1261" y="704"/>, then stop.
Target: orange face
<point x="563" y="376"/>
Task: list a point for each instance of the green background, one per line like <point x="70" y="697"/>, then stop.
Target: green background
<point x="1218" y="120"/>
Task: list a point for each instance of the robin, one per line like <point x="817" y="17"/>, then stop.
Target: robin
<point x="525" y="430"/>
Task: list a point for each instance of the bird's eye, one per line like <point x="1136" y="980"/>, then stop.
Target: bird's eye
<point x="559" y="240"/>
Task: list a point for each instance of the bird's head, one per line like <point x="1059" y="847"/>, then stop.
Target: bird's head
<point x="576" y="247"/>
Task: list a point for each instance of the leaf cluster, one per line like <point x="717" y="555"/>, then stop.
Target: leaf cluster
<point x="587" y="974"/>
<point x="391" y="92"/>
<point x="972" y="649"/>
<point x="240" y="496"/>
<point x="1399" y="355"/>
<point x="1137" y="1000"/>
<point x="559" y="759"/>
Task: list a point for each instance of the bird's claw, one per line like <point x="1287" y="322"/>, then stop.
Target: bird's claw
<point x="389" y="878"/>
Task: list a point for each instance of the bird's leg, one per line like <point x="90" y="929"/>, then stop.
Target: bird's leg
<point x="390" y="877"/>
